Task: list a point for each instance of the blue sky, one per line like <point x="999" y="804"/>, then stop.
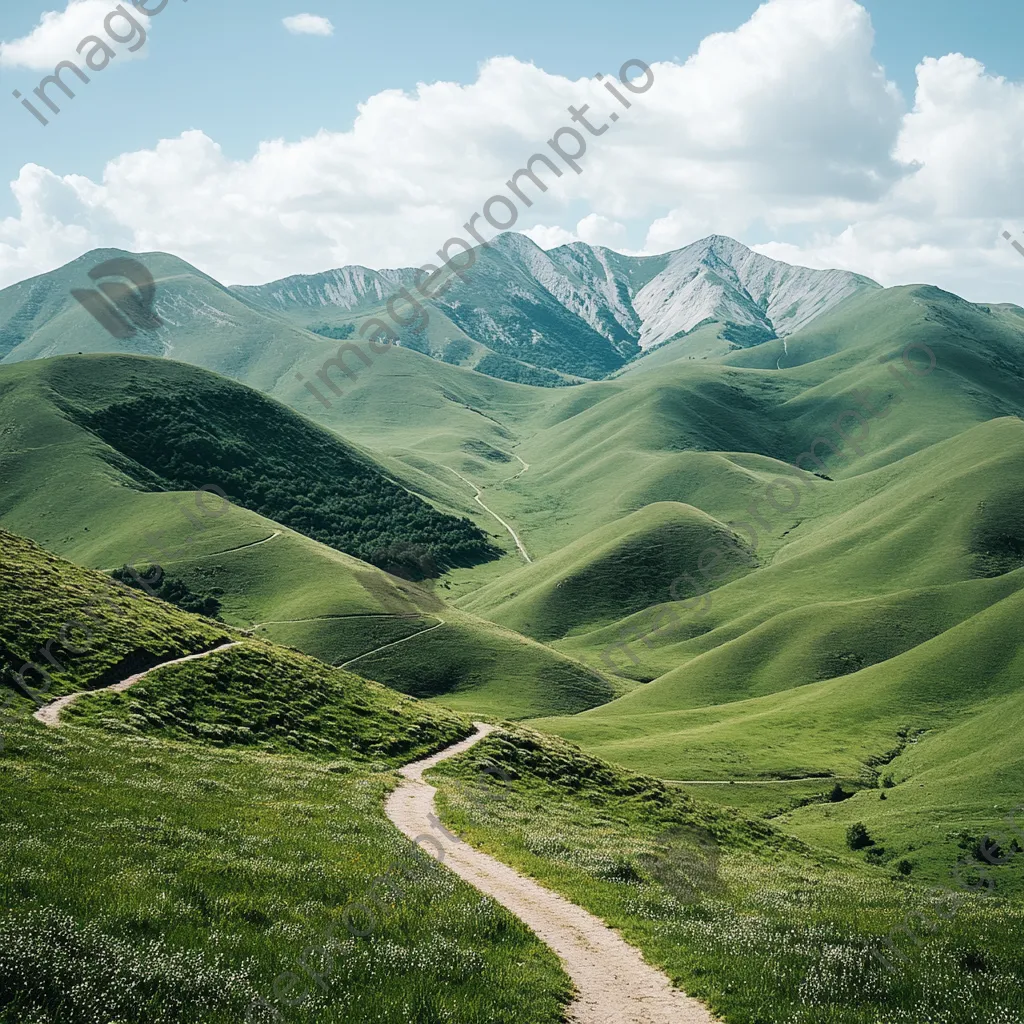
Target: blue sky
<point x="244" y="79"/>
<point x="232" y="72"/>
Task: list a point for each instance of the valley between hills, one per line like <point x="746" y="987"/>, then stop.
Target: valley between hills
<point x="728" y="555"/>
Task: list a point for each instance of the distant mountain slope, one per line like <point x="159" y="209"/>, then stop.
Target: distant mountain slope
<point x="174" y="427"/>
<point x="521" y="313"/>
<point x="204" y="323"/>
<point x="719" y="279"/>
<point x="585" y="310"/>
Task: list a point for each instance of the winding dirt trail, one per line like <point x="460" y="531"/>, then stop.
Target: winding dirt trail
<point x="491" y="512"/>
<point x="50" y="714"/>
<point x="525" y="466"/>
<point x="214" y="554"/>
<point x="395" y="643"/>
<point x="748" y="782"/>
<point x="614" y="984"/>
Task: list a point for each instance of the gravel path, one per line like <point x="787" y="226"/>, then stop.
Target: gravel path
<point x="614" y="984"/>
<point x="50" y="713"/>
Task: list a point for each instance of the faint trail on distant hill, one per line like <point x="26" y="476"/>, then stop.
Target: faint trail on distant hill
<point x="614" y="984"/>
<point x="405" y="639"/>
<point x="241" y="547"/>
<point x="490" y="511"/>
<point x="331" y="618"/>
<point x="785" y="352"/>
<point x="50" y="714"/>
<point x="214" y="554"/>
<point x="509" y="479"/>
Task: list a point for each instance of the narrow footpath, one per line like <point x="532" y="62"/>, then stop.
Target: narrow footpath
<point x="491" y="512"/>
<point x="614" y="984"/>
<point x="50" y="713"/>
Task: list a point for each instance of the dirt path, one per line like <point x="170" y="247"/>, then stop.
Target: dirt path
<point x="491" y="512"/>
<point x="213" y="554"/>
<point x="525" y="466"/>
<point x="50" y="714"/>
<point x="615" y="985"/>
<point x="405" y="639"/>
<point x="337" y="618"/>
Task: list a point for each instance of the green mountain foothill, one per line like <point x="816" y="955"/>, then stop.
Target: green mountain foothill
<point x="742" y="591"/>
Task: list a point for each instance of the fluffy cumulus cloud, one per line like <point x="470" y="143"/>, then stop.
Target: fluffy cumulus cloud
<point x="308" y="25"/>
<point x="59" y="33"/>
<point x="784" y="133"/>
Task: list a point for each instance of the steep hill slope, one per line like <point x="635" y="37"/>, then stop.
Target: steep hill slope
<point x="167" y="427"/>
<point x="63" y="628"/>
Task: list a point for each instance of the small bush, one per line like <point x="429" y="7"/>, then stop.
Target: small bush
<point x="858" y="837"/>
<point x="838" y="794"/>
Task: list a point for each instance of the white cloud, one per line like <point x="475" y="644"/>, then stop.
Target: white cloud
<point x="59" y="33"/>
<point x="785" y="132"/>
<point x="308" y="25"/>
<point x="597" y="230"/>
<point x="550" y="237"/>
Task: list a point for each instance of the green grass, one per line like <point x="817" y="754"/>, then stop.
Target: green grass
<point x="94" y="511"/>
<point x="151" y="881"/>
<point x="79" y="629"/>
<point x="206" y="846"/>
<point x="475" y="667"/>
<point x="262" y="696"/>
<point x="764" y="929"/>
<point x="877" y="634"/>
<point x="634" y="563"/>
<point x="339" y="639"/>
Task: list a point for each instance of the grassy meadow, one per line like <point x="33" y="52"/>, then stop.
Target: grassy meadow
<point x="845" y="679"/>
<point x="765" y="928"/>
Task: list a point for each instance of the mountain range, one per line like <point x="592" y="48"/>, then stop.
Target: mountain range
<point x="571" y="313"/>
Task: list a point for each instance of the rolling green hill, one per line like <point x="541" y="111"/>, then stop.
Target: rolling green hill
<point x="633" y="563"/>
<point x="852" y="658"/>
<point x="171" y="429"/>
<point x="206" y="847"/>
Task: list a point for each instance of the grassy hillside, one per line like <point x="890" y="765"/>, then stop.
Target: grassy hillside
<point x="154" y="875"/>
<point x="638" y="561"/>
<point x="170" y="427"/>
<point x="260" y="696"/>
<point x="76" y="628"/>
<point x="473" y="666"/>
<point x="765" y="929"/>
<point x="934" y="694"/>
<point x="102" y="506"/>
